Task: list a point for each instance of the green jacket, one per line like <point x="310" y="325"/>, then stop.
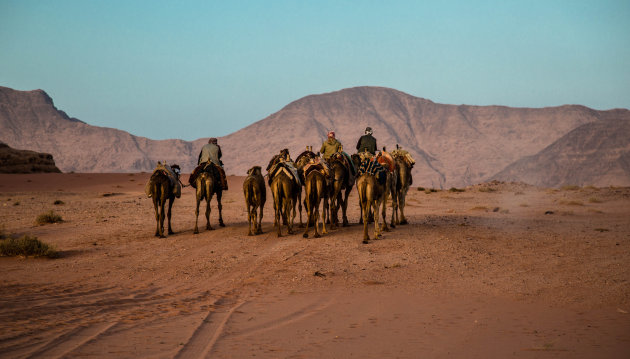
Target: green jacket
<point x="330" y="147"/>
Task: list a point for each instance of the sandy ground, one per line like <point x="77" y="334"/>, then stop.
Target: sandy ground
<point x="476" y="274"/>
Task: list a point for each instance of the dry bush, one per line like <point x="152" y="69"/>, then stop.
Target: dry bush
<point x="570" y="187"/>
<point x="453" y="189"/>
<point x="572" y="203"/>
<point x="26" y="246"/>
<point x="479" y="208"/>
<point x="486" y="189"/>
<point x="48" y="217"/>
<point x="58" y="202"/>
<point x="594" y="200"/>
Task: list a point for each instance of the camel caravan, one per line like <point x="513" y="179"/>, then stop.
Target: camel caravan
<point x="326" y="178"/>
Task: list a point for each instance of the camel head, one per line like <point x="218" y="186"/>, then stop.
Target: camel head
<point x="254" y="171"/>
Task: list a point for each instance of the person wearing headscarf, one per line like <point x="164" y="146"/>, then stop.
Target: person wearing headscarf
<point x="330" y="146"/>
<point x="210" y="152"/>
<point x="367" y="142"/>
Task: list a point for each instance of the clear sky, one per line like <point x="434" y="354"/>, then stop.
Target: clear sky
<point x="191" y="69"/>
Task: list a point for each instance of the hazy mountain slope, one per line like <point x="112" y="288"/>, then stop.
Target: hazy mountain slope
<point x="29" y="120"/>
<point x="453" y="145"/>
<point x="596" y="153"/>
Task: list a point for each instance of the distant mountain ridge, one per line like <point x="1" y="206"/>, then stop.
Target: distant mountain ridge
<point x="454" y="145"/>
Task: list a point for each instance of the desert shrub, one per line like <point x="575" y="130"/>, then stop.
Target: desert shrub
<point x="486" y="189"/>
<point x="16" y="203"/>
<point x="594" y="200"/>
<point x="26" y="246"/>
<point x="58" y="202"/>
<point x="453" y="189"/>
<point x="421" y="189"/>
<point x="572" y="203"/>
<point x="570" y="187"/>
<point x="479" y="208"/>
<point x="48" y="217"/>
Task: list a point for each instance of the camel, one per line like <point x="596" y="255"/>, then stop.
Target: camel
<point x="285" y="185"/>
<point x="301" y="160"/>
<point x="372" y="196"/>
<point x="315" y="189"/>
<point x="284" y="190"/>
<point x="342" y="180"/>
<point x="207" y="184"/>
<point x="163" y="185"/>
<point x="404" y="164"/>
<point x="255" y="197"/>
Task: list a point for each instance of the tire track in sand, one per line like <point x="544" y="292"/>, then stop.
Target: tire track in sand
<point x="200" y="344"/>
<point x="72" y="340"/>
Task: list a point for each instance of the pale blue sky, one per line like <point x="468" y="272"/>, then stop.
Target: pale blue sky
<point x="191" y="69"/>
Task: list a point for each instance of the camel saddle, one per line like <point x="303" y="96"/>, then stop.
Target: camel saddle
<point x="316" y="164"/>
<point x="284" y="166"/>
<point x="373" y="168"/>
<point x="170" y="174"/>
<point x="207" y="167"/>
<point x="309" y="154"/>
<point x="386" y="160"/>
<point x="405" y="156"/>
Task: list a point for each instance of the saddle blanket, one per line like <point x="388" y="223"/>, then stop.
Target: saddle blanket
<point x="375" y="169"/>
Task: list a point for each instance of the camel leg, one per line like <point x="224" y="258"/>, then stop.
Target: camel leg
<point x="377" y="227"/>
<point x="278" y="211"/>
<point x="344" y="209"/>
<point x="196" y="230"/>
<point x="299" y="203"/>
<point x="157" y="215"/>
<point x="259" y="230"/>
<point x="383" y="211"/>
<point x="309" y="214"/>
<point x="249" y="219"/>
<point x="208" y="210"/>
<point x="162" y="205"/>
<point x="220" y="207"/>
<point x="401" y="206"/>
<point x="170" y="206"/>
<point x="365" y="211"/>
<point x="360" y="213"/>
<point x="317" y="219"/>
<point x="323" y="216"/>
<point x="287" y="210"/>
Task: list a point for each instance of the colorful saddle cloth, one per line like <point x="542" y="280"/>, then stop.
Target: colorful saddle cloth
<point x="373" y="168"/>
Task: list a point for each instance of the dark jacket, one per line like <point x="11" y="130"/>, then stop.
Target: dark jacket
<point x="367" y="143"/>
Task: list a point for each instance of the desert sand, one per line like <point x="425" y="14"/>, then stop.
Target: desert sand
<point x="499" y="270"/>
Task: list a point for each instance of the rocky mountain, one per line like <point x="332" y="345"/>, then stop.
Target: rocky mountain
<point x="29" y="120"/>
<point x="454" y="145"/>
<point x="597" y="153"/>
<point x="22" y="161"/>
